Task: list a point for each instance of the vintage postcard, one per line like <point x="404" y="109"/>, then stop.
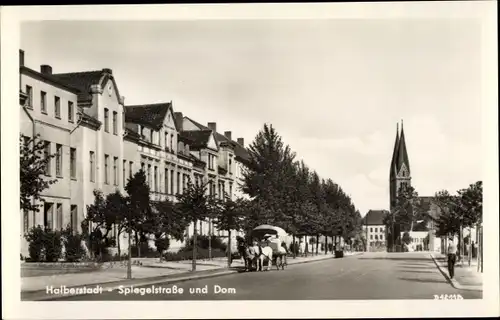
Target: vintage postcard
<point x="258" y="160"/>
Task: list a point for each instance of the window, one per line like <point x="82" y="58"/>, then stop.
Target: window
<point x="59" y="154"/>
<point x="230" y="190"/>
<point x="156" y="179"/>
<point x="106" y="173"/>
<point x="26" y="220"/>
<point x="166" y="180"/>
<point x="74" y="217"/>
<point x="43" y="102"/>
<point x="151" y="135"/>
<point x="29" y="93"/>
<point x="115" y="171"/>
<point x="178" y="182"/>
<point x="92" y="166"/>
<point x="57" y="107"/>
<point x="143" y="165"/>
<point x="72" y="163"/>
<point x="376" y="229"/>
<point x="171" y="181"/>
<point x="124" y="172"/>
<point x="130" y="166"/>
<point x="371" y="229"/>
<point x="47" y="156"/>
<point x="115" y="122"/>
<point x="149" y="175"/>
<point x="166" y="140"/>
<point x="381" y="237"/>
<point x="371" y="237"/>
<point x="47" y="215"/>
<point x="59" y="215"/>
<point x="376" y="237"/>
<point x="184" y="181"/>
<point x="106" y="120"/>
<point x="230" y="166"/>
<point x="172" y="142"/>
<point x="71" y="111"/>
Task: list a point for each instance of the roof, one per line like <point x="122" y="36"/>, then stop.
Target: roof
<point x="49" y="78"/>
<point x="402" y="152"/>
<point x="151" y="115"/>
<point x="394" y="153"/>
<point x="83" y="81"/>
<point x="375" y="217"/>
<point x="239" y="151"/>
<point x="196" y="138"/>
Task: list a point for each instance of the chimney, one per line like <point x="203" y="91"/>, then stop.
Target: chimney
<point x="228" y="134"/>
<point x="212" y="126"/>
<point x="107" y="70"/>
<point x="187" y="149"/>
<point x="45" y="69"/>
<point x="241" y="141"/>
<point x="179" y="119"/>
<point x="21" y="58"/>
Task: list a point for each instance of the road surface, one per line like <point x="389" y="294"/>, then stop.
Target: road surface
<point x="367" y="276"/>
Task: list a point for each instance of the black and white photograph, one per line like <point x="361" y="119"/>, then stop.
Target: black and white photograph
<point x="251" y="158"/>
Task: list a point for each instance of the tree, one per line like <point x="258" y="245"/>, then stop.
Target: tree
<point x="406" y="238"/>
<point x="407" y="208"/>
<point x="33" y="162"/>
<point x="139" y="216"/>
<point x="169" y="221"/>
<point x="196" y="205"/>
<point x="228" y="217"/>
<point x="101" y="216"/>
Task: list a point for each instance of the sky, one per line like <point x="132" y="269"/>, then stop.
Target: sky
<point x="334" y="89"/>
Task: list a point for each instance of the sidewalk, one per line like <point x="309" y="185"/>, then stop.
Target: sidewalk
<point x="466" y="278"/>
<point x="151" y="272"/>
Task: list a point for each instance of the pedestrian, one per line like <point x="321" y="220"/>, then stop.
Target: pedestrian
<point x="452" y="258"/>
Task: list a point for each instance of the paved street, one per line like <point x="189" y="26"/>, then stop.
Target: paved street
<point x="368" y="276"/>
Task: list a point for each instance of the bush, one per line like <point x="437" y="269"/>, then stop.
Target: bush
<point x="74" y="250"/>
<point x="203" y="242"/>
<point x="44" y="244"/>
<point x="162" y="244"/>
<point x="35" y="238"/>
<point x="52" y="245"/>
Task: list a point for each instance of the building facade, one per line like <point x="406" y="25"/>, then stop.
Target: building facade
<point x="100" y="143"/>
<point x="374" y="230"/>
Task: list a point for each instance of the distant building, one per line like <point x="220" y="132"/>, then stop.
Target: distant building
<point x="374" y="230"/>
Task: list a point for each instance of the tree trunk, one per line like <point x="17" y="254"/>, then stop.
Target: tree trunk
<point x="326" y="244"/>
<point x="229" y="249"/>
<point x="209" y="239"/>
<point x="129" y="264"/>
<point x="306" y="247"/>
<point x="317" y="244"/>
<point x="137" y="244"/>
<point x="119" y="248"/>
<point x="195" y="245"/>
<point x="293" y="246"/>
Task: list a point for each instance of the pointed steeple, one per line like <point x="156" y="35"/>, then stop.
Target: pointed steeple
<point x="395" y="154"/>
<point x="402" y="157"/>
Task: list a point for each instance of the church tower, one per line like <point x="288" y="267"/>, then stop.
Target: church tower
<point x="400" y="173"/>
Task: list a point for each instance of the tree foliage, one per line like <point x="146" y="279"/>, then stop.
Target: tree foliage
<point x="33" y="164"/>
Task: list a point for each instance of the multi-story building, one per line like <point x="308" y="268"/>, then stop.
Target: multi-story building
<point x="374" y="230"/>
<point x="100" y="143"/>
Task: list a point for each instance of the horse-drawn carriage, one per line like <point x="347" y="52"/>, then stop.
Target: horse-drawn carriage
<point x="266" y="248"/>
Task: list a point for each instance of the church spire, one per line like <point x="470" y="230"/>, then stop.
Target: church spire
<point x="394" y="154"/>
<point x="402" y="157"/>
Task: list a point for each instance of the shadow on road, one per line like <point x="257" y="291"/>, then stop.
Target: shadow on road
<point x="414" y="271"/>
<point x="423" y="280"/>
<point x="395" y="258"/>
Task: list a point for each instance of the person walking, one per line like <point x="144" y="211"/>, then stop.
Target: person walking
<point x="452" y="258"/>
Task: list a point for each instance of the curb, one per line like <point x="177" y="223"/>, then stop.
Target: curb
<point x="454" y="283"/>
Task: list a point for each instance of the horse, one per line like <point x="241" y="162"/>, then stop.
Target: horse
<point x="264" y="254"/>
<point x="249" y="255"/>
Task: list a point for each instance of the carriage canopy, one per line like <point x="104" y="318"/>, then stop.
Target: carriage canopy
<point x="265" y="229"/>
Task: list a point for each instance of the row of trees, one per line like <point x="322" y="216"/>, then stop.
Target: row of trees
<point x="288" y="194"/>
